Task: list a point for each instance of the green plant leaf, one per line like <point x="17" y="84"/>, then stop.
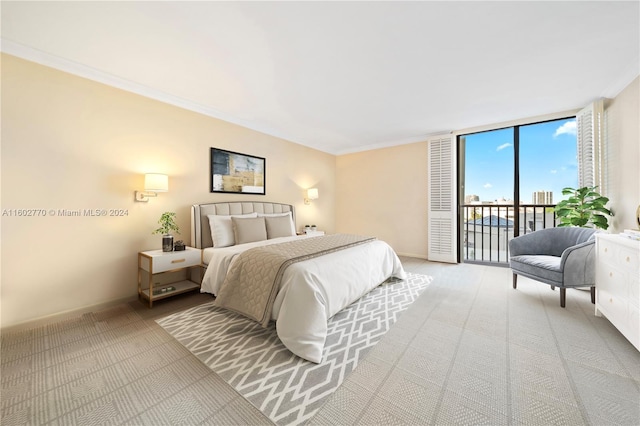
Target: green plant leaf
<point x="584" y="206"/>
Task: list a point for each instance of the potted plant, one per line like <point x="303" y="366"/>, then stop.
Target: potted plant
<point x="167" y="225"/>
<point x="179" y="245"/>
<point x="585" y="207"/>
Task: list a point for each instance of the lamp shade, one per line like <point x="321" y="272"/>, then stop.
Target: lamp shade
<point x="312" y="193"/>
<point x="156" y="182"/>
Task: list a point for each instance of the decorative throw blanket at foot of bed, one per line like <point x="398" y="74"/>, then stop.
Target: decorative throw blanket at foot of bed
<point x="252" y="283"/>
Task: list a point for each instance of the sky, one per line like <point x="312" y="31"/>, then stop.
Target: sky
<point x="548" y="161"/>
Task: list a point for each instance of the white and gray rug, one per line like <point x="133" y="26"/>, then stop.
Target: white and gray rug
<point x="286" y="388"/>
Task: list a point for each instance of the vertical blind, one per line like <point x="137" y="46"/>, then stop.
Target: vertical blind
<point x="442" y="228"/>
<point x="590" y="146"/>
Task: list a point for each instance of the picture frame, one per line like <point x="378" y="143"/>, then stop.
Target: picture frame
<point x="236" y="173"/>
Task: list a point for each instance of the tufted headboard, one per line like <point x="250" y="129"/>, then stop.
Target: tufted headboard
<point x="200" y="230"/>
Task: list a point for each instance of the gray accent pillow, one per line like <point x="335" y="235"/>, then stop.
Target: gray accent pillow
<point x="222" y="229"/>
<point x="248" y="230"/>
<point x="287" y="214"/>
<point x="279" y="226"/>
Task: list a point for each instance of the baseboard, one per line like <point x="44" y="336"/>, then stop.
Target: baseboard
<point x="417" y="256"/>
<point x="61" y="316"/>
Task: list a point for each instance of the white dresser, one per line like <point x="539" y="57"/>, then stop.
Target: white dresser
<point x="618" y="284"/>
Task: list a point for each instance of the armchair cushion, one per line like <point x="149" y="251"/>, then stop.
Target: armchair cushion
<point x="539" y="267"/>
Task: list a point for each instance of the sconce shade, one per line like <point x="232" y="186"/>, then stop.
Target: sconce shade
<point x="156" y="182"/>
<point x="312" y="193"/>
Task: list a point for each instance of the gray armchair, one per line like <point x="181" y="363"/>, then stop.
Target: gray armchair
<point x="560" y="257"/>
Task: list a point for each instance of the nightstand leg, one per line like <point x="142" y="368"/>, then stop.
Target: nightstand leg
<point x="150" y="290"/>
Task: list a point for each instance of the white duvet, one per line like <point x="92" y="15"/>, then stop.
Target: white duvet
<point x="314" y="290"/>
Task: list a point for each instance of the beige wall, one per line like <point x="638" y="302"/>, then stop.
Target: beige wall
<point x="70" y="143"/>
<point x="383" y="193"/>
<point x="622" y="134"/>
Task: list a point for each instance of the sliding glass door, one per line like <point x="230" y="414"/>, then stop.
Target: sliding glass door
<point x="509" y="181"/>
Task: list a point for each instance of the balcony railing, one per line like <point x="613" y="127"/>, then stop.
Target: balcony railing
<point x="488" y="228"/>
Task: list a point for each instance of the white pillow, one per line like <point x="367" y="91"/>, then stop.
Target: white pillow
<point x="293" y="226"/>
<point x="222" y="229"/>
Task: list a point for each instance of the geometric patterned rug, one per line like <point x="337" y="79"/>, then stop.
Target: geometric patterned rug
<point x="286" y="388"/>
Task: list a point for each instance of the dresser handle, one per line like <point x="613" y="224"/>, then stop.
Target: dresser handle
<point x="605" y="249"/>
<point x="611" y="274"/>
<point x="628" y="259"/>
<point x="178" y="260"/>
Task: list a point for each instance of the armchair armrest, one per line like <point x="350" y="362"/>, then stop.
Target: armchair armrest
<point x="578" y="265"/>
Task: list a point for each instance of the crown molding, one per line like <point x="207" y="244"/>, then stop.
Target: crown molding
<point x="57" y="62"/>
<point x="382" y="145"/>
<point x="53" y="61"/>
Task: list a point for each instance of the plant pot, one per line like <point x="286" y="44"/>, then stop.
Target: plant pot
<point x="179" y="247"/>
<point x="167" y="243"/>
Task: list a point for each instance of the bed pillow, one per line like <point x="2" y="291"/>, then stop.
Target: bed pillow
<point x="287" y="214"/>
<point x="222" y="229"/>
<point x="248" y="230"/>
<point x="279" y="226"/>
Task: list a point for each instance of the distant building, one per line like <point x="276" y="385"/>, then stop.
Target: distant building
<point x="542" y="197"/>
<point x="503" y="201"/>
<point x="471" y="199"/>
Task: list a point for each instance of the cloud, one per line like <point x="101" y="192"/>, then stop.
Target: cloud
<point x="568" y="128"/>
<point x="487" y="185"/>
<point x="503" y="146"/>
<point x="553" y="172"/>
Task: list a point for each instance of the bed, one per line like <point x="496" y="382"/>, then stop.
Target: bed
<point x="311" y="288"/>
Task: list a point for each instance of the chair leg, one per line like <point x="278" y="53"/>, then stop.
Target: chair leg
<point x="593" y="295"/>
<point x="553" y="287"/>
<point x="515" y="280"/>
<point x="563" y="296"/>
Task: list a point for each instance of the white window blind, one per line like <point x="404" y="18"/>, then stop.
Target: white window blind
<point x="590" y="146"/>
<point x="442" y="227"/>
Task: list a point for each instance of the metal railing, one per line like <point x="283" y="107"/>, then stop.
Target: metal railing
<point x="488" y="228"/>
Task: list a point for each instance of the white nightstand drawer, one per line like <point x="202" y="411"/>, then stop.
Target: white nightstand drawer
<point x="156" y="261"/>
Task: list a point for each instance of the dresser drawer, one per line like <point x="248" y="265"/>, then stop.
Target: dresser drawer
<point x="614" y="308"/>
<point x="605" y="251"/>
<point x="159" y="261"/>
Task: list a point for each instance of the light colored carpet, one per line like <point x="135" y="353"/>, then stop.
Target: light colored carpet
<point x="286" y="388"/>
<point x="470" y="350"/>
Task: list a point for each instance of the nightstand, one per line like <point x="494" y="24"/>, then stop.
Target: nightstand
<point x="156" y="268"/>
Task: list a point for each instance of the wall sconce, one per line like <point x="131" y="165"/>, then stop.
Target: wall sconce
<point x="312" y="194"/>
<point x="153" y="183"/>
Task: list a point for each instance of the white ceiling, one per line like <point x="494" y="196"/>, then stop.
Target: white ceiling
<point x="342" y="76"/>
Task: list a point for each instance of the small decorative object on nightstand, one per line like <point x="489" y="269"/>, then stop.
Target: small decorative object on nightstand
<point x="167" y="224"/>
<point x="154" y="264"/>
<point x="178" y="245"/>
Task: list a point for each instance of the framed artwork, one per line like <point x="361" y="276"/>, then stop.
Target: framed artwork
<point x="236" y="173"/>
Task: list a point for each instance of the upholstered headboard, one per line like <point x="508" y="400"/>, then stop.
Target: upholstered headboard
<point x="200" y="230"/>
